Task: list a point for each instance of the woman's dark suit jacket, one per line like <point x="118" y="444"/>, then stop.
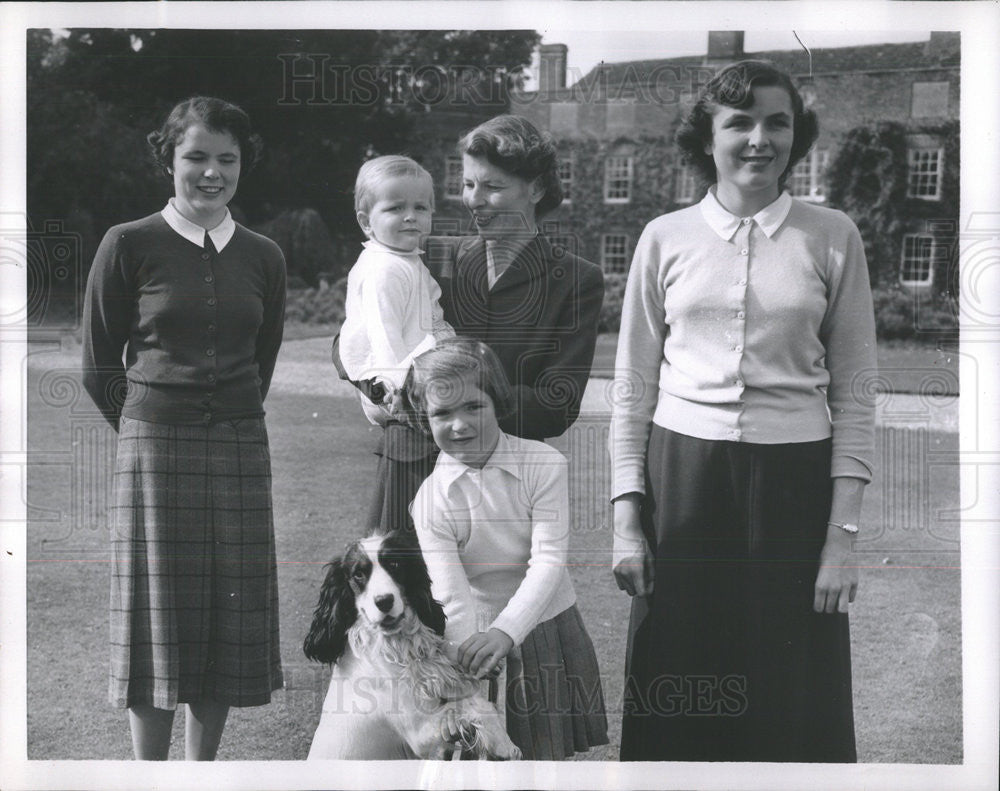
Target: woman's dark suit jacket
<point x="540" y="318"/>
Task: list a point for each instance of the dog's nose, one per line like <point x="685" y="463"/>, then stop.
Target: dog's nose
<point x="384" y="602"/>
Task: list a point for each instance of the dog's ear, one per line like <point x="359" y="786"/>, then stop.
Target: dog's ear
<point x="418" y="592"/>
<point x="334" y="615"/>
<point x="428" y="610"/>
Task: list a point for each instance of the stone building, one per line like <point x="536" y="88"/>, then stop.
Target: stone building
<point x="615" y="127"/>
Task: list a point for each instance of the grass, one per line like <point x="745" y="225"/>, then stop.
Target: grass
<point x="906" y="622"/>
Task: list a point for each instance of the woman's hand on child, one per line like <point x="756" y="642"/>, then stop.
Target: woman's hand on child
<point x="482" y="653"/>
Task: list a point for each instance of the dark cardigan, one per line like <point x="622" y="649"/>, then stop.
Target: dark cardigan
<point x="202" y="330"/>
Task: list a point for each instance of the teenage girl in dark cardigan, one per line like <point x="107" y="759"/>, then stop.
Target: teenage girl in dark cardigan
<point x="196" y="303"/>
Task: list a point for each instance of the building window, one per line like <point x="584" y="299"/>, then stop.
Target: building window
<point x="617" y="179"/>
<point x="684" y="184"/>
<point x="453" y="178"/>
<point x="925" y="173"/>
<point x="566" y="179"/>
<point x="806" y="180"/>
<point x="929" y="100"/>
<point x="614" y="252"/>
<point x="917" y="265"/>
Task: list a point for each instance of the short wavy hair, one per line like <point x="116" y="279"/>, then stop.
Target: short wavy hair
<point x="456" y="358"/>
<point x="513" y="144"/>
<point x="215" y="114"/>
<point x="375" y="171"/>
<point x="733" y="86"/>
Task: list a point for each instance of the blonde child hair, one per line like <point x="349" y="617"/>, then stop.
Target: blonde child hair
<point x="375" y="172"/>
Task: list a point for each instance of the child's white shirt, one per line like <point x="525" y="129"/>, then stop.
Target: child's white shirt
<point x="496" y="539"/>
<point x="392" y="314"/>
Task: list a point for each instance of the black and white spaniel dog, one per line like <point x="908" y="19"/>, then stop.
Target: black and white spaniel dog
<point x="394" y="692"/>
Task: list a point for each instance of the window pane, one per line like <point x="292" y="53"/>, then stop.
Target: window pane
<point x="614" y="252"/>
<point x="917" y="265"/>
<point x="925" y="173"/>
<point x="685" y="185"/>
<point x="566" y="178"/>
<point x="618" y="179"/>
<point x="453" y="178"/>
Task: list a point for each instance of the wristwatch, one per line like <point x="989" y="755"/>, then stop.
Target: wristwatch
<point x="847" y="527"/>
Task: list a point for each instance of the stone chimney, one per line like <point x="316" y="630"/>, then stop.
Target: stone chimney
<point x="551" y="67"/>
<point x="944" y="46"/>
<point x="724" y="46"/>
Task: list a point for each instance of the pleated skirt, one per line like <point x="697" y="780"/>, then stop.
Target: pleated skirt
<point x="555" y="702"/>
<point x="727" y="661"/>
<point x="194" y="593"/>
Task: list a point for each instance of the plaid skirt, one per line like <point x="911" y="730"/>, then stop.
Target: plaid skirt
<point x="194" y="593"/>
<point x="555" y="703"/>
<point x="727" y="661"/>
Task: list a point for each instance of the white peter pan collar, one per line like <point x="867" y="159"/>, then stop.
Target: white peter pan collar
<point x="194" y="233"/>
<point x="724" y="223"/>
<point x="504" y="457"/>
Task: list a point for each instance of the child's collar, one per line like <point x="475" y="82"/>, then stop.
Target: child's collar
<point x="374" y="244"/>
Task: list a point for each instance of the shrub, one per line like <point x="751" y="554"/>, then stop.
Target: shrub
<point x="306" y="243"/>
<point x="324" y="305"/>
<point x="906" y="315"/>
<point x="611" y="310"/>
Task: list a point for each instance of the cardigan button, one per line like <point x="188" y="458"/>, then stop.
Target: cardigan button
<point x="210" y="352"/>
<point x="211" y="379"/>
<point x="209" y="279"/>
<point x="211" y="301"/>
<point x="207" y="417"/>
<point x="205" y="256"/>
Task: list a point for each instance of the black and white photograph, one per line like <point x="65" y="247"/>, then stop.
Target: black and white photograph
<point x="500" y="395"/>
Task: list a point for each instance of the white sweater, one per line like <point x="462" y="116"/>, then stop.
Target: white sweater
<point x="392" y="314"/>
<point x="496" y="540"/>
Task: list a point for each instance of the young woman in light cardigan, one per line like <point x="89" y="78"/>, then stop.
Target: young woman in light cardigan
<point x="741" y="447"/>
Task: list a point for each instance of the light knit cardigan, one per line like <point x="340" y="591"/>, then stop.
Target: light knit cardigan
<point x="747" y="329"/>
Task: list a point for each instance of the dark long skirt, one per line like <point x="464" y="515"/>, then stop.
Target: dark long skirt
<point x="194" y="593"/>
<point x="727" y="661"/>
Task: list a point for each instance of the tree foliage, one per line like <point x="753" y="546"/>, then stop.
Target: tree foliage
<point x="868" y="181"/>
<point x="322" y="100"/>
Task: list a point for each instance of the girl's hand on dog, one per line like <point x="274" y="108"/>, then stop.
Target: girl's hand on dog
<point x="482" y="653"/>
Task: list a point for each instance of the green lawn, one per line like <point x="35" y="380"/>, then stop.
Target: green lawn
<point x="906" y="622"/>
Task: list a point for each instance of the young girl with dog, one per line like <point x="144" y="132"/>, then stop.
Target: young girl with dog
<point x="493" y="523"/>
<point x="391" y="314"/>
